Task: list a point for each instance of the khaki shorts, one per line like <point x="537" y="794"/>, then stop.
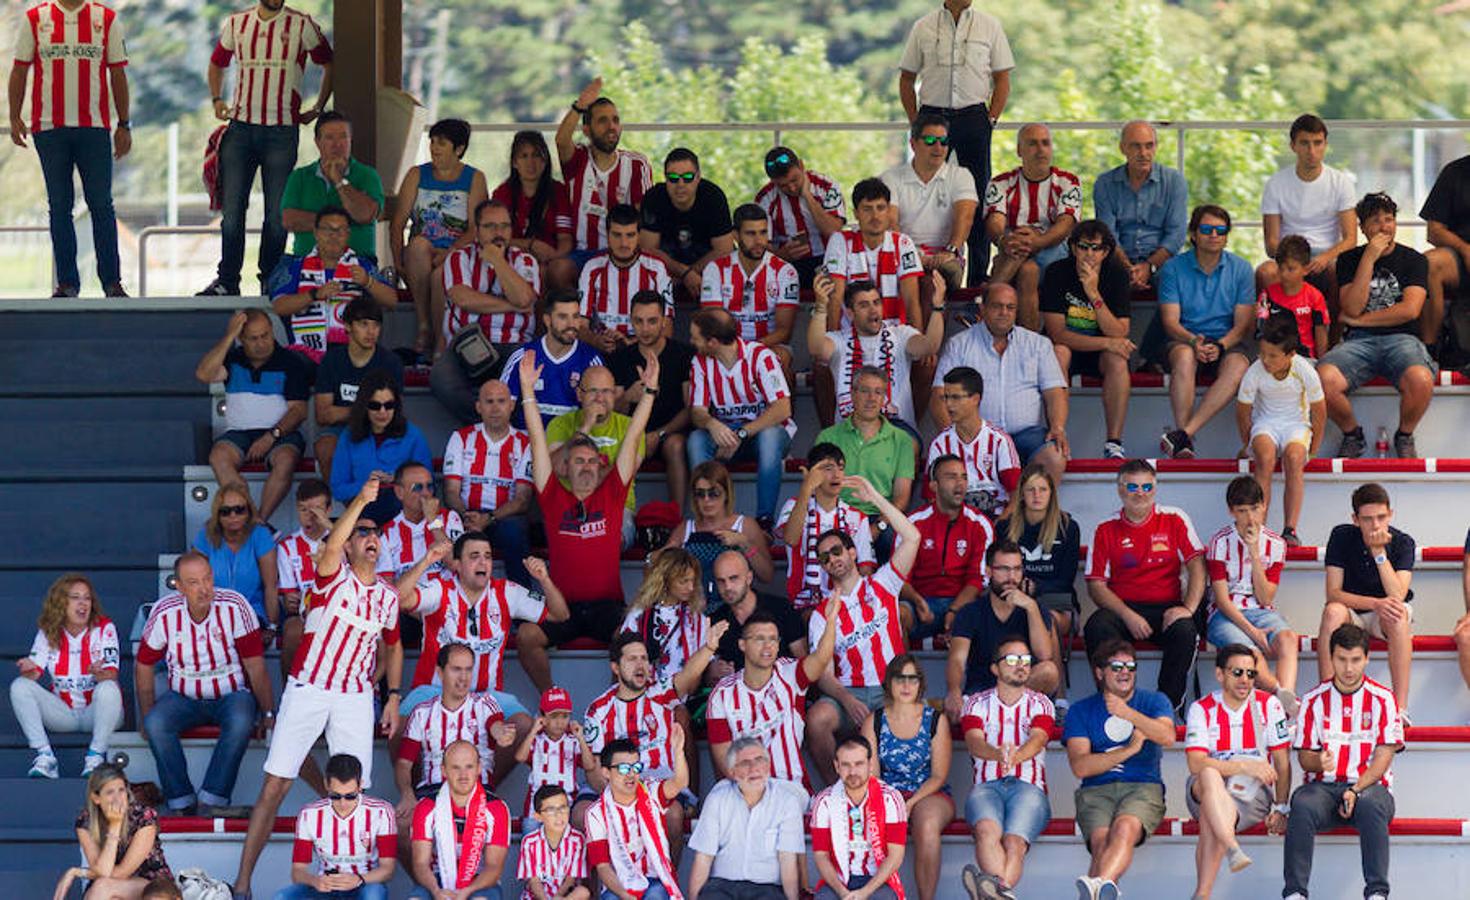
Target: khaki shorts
<point x="1248" y="811"/>
<point x="1368" y="621"/>
<point x="1099" y="806"/>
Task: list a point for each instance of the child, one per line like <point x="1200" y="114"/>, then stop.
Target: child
<point x="1244" y="562"/>
<point x="1281" y="412"/>
<point x="554" y="857"/>
<point x="553" y="750"/>
<point x="1292" y="296"/>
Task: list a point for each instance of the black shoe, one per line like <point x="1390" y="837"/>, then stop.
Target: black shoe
<point x="1176" y="444"/>
<point x="115" y="290"/>
<point x="65" y="290"/>
<point x="217" y="288"/>
<point x="1353" y="444"/>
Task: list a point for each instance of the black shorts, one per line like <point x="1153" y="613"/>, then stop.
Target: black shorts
<point x="597" y="620"/>
<point x="1086" y="363"/>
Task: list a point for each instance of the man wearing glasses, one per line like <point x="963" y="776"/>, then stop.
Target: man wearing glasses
<point x="805" y="209"/>
<point x="1133" y="577"/>
<point x="1115" y="740"/>
<point x="750" y="834"/>
<point x="627" y="845"/>
<point x="351" y="837"/>
<point x="421" y="522"/>
<point x="686" y="221"/>
<point x="934" y="199"/>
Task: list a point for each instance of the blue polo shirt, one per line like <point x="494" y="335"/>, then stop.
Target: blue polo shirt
<point x="1207" y="302"/>
<point x="256" y="398"/>
<point x="1156" y="215"/>
<point x="1087" y="719"/>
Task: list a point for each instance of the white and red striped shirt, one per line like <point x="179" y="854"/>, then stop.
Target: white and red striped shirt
<point x="204" y="658"/>
<point x="488" y="469"/>
<point x="647" y="720"/>
<point x="432" y="728"/>
<point x="806" y="580"/>
<point x="887" y="265"/>
<point x="633" y="867"/>
<point x="1257" y="729"/>
<point x="467" y="267"/>
<point x="991" y="461"/>
<point x="869" y="633"/>
<point x="343" y="619"/>
<point x="1004" y="725"/>
<point x="484" y="625"/>
<point x="73" y="53"/>
<point x="74" y="665"/>
<point x="789" y="216"/>
<point x="593" y="192"/>
<point x="1228" y="559"/>
<point x="295" y="562"/>
<point x="272" y="60"/>
<point x="677" y="629"/>
<point x="551" y="865"/>
<point x="607" y="289"/>
<point x="775" y="713"/>
<point x="553" y="761"/>
<point x="738" y="394"/>
<point x="1353" y="725"/>
<point x="751" y="298"/>
<point x="355" y="845"/>
<point x="845" y="838"/>
<point x="404" y="543"/>
<point x="1034" y="204"/>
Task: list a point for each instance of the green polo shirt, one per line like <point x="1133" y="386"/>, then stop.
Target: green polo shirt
<point x="887" y="455"/>
<point x="608" y="436"/>
<point x="307" y="188"/>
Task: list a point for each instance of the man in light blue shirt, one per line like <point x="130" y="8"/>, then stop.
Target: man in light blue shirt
<point x="1143" y="203"/>
<point x="750" y="838"/>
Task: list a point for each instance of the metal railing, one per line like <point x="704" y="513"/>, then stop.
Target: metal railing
<point x="156" y="230"/>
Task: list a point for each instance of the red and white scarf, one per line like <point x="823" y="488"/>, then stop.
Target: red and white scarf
<point x="874" y="831"/>
<point x="855" y="361"/>
<point x="457" y="865"/>
<point x="655" y="841"/>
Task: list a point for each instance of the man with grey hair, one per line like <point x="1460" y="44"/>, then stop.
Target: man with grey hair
<point x="749" y="841"/>
<point x="1144" y="204"/>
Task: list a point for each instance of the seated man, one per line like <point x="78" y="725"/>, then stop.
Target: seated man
<point x="487" y="479"/>
<point x="875" y="253"/>
<point x="934" y="199"/>
<point x="817" y="509"/>
<point x="211" y="642"/>
<point x="1447" y="213"/>
<point x="1029" y="211"/>
<point x="668" y="425"/>
<point x="1382" y="291"/>
<point x="859" y="829"/>
<point x="342" y="369"/>
<point x="806" y="209"/>
<point x="627" y="846"/>
<point x="312" y="291"/>
<point x="1115" y="740"/>
<point x="734" y="583"/>
<point x="949" y="571"/>
<point x="759" y="289"/>
<point x="1207" y="305"/>
<point x="749" y="839"/>
<point x="561" y="359"/>
<point x="461" y="836"/>
<point x="351" y="838"/>
<point x="335" y="179"/>
<point x="419" y="523"/>
<point x="1145" y="204"/>
<point x="685" y="220"/>
<point x="611" y="280"/>
<point x="992" y="465"/>
<point x="265" y="403"/>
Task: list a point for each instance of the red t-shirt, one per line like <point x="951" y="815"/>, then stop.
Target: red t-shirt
<point x="1307" y="306"/>
<point x="556" y="219"/>
<point x="584" y="539"/>
<point x="1141" y="562"/>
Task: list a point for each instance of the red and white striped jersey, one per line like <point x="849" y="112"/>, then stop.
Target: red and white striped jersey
<point x="405" y="543"/>
<point x="432" y="728"/>
<point x="467" y="267"/>
<point x="74" y="665"/>
<point x="1228" y="559"/>
<point x="806" y="580"/>
<point x="845" y="837"/>
<point x="634" y="869"/>
<point x="488" y="469"/>
<point x="752" y="299"/>
<point x="1035" y="204"/>
<point x="677" y="629"/>
<point x="647" y="719"/>
<point x="1259" y="727"/>
<point x="553" y="761"/>
<point x="343" y="620"/>
<point x="740" y="393"/>
<point x="991" y="460"/>
<point x="775" y="713"/>
<point x="295" y="562"/>
<point x="887" y="265"/>
<point x="1353" y="725"/>
<point x="607" y="289"/>
<point x="551" y="865"/>
<point x="484" y="625"/>
<point x="72" y="53"/>
<point x="354" y="845"/>
<point x="593" y="192"/>
<point x="272" y="55"/>
<point x="1009" y="725"/>
<point x="869" y="633"/>
<point x="494" y="815"/>
<point x="204" y="658"/>
<point x="789" y="216"/>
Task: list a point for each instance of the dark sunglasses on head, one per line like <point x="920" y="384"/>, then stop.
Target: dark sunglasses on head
<point x="708" y="493"/>
<point x="632" y="768"/>
<point x="1238" y="672"/>
<point x="335" y="796"/>
<point x="237" y="510"/>
<point x="379" y="406"/>
<point x="677" y="177"/>
<point x="1091" y="245"/>
<point x="1016" y="659"/>
<point x="1213" y="229"/>
<point x="779" y="161"/>
<point x="1134" y="487"/>
<point x="932" y="139"/>
<point x="1123" y="665"/>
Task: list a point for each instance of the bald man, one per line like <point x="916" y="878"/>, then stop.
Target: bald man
<point x="595" y="418"/>
<point x="439" y="825"/>
<point x="735" y="584"/>
<point x="1144" y="204"/>
<point x="487" y="479"/>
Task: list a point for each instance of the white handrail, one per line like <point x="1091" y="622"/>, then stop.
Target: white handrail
<point x="152" y="230"/>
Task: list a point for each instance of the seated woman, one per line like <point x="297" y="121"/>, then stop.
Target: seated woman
<point x="119" y="840"/>
<point x="241" y="551"/>
<point x="540" y="209"/>
<point x="1051" y="541"/>
<point x="379" y="439"/>
<point x="76" y="647"/>
<point x="715" y="527"/>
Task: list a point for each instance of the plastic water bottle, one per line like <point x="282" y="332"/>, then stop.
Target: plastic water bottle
<point x="1380" y="449"/>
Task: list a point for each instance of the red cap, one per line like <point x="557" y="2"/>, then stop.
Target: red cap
<point x="556" y="700"/>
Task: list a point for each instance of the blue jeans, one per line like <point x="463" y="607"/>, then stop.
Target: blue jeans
<point x="656" y="891"/>
<point x="1221" y="631"/>
<point x="174" y="713"/>
<point x="1021" y="808"/>
<point x="304" y="892"/>
<point x="767" y="448"/>
<point x="246" y="147"/>
<point x="89" y="152"/>
<point x="1362" y="356"/>
<point x="489" y="893"/>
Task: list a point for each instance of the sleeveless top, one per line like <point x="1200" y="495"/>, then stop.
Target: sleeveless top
<point x="441" y="210"/>
<point x="705" y="546"/>
<point x="905" y="762"/>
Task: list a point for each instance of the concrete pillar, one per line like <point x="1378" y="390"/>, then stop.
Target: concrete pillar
<point x="367" y="37"/>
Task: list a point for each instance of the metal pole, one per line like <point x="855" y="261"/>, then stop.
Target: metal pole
<point x="1180" y="158"/>
<point x="173" y="195"/>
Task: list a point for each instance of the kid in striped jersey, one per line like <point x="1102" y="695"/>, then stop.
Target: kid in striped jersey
<point x="349" y="835"/>
<point x="553" y="858"/>
<point x="554" y="750"/>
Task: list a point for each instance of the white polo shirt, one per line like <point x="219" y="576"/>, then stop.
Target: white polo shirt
<point x="926" y="211"/>
<point x="955" y="61"/>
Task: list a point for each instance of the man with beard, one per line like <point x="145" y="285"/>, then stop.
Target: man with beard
<point x="859" y="827"/>
<point x="949" y="570"/>
<point x="595" y="419"/>
<point x="806" y="208"/>
<point x="598" y="174"/>
<point x="669" y="422"/>
<point x="611" y="280"/>
<point x="734" y="583"/>
<point x="461" y="836"/>
<point x="628" y="845"/>
<point x="561" y="361"/>
<point x="686" y="220"/>
<point x="487" y="478"/>
<point x="760" y="290"/>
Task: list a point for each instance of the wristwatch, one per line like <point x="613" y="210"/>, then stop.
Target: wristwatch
<point x="742" y="434"/>
<point x="276" y="432"/>
<point x="125" y="123"/>
<point x="1283" y="808"/>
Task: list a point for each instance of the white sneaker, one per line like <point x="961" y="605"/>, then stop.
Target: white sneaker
<point x="1114" y="450"/>
<point x="92" y="761"/>
<point x="44" y="766"/>
<point x="1238" y="860"/>
<point x="1087" y="887"/>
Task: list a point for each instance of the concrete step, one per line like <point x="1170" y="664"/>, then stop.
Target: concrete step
<point x="87" y="447"/>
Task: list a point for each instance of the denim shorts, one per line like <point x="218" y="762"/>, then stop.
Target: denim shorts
<point x="1028" y="441"/>
<point x="1363" y="356"/>
<point x="1020" y="807"/>
<point x="242" y="439"/>
<point x="1221" y="631"/>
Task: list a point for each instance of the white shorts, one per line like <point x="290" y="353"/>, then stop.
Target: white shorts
<point x="1283" y="432"/>
<point x="306" y="712"/>
<point x="1368" y="620"/>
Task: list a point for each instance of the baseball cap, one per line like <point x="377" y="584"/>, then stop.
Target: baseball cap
<point x="556" y="700"/>
<point x="779" y="160"/>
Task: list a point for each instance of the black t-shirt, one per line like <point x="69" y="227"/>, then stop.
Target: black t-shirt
<point x="286" y="372"/>
<point x="336" y="375"/>
<point x="1061" y="292"/>
<point x="788" y="624"/>
<point x="1052" y="569"/>
<point x="978" y="623"/>
<point x="674" y="365"/>
<point x="1401" y="268"/>
<point x="686" y="235"/>
<point x="1347" y="551"/>
<point x="1448" y="202"/>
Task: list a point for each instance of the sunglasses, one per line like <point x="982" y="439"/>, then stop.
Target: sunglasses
<point x="422" y="487"/>
<point x="1134" y="487"/>
<point x="779" y="161"/>
<point x="822" y="556"/>
<point x="1120" y="665"/>
<point x="364" y="531"/>
<point x="238" y="510"/>
<point x="907" y="678"/>
<point x="676" y="177"/>
<point x="1238" y="672"/>
<point x="377" y="406"/>
<point x="632" y="768"/>
<point x="1016" y="659"/>
<point x="930" y="140"/>
<point x="708" y="493"/>
<point x="1091" y="245"/>
<point x="1213" y="229"/>
<point x="352" y="796"/>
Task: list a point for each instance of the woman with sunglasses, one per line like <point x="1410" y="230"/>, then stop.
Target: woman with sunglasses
<point x="715" y="527"/>
<point x="379" y="439"/>
<point x="914" y="749"/>
<point x="241" y="551"/>
<point x="119" y="841"/>
<point x="540" y="209"/>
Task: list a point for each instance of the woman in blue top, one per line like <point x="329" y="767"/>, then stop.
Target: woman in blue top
<point x="241" y="551"/>
<point x="913" y="746"/>
<point x="379" y="439"/>
<point x="438" y="197"/>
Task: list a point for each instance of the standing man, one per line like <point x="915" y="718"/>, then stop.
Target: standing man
<point x="686" y="221"/>
<point x="749" y="840"/>
<point x="806" y="209"/>
<point x="962" y="62"/>
<point x="934" y="199"/>
<point x="487" y="479"/>
<point x="264" y="115"/>
<point x="80" y="57"/>
<point x="598" y="174"/>
<point x="668" y="425"/>
<point x="1143" y="203"/>
<point x="335" y="179"/>
<point x="859" y="829"/>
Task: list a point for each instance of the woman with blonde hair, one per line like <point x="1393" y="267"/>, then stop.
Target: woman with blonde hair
<point x="715" y="527"/>
<point x="668" y="611"/>
<point x="76" y="646"/>
<point x="119" y="840"/>
<point x="241" y="551"/>
<point x="1051" y="543"/>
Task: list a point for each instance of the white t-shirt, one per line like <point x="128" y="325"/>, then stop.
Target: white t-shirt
<point x="926" y="211"/>
<point x="888" y="352"/>
<point x="1281" y="399"/>
<point x="1310" y="208"/>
